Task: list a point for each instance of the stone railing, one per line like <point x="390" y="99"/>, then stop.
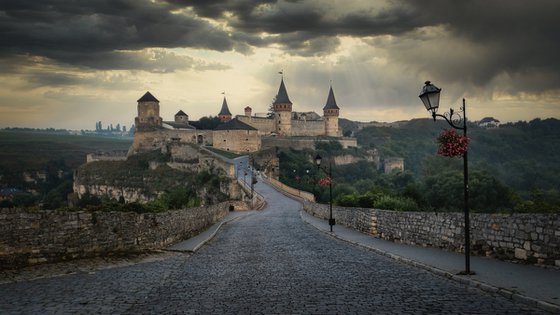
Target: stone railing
<point x="300" y="194"/>
<point x="531" y="238"/>
<point x="258" y="201"/>
<point x="30" y="237"/>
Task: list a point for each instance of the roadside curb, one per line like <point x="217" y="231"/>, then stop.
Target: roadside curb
<point x="511" y="295"/>
<point x="216" y="227"/>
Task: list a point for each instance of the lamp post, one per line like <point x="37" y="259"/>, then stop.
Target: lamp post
<point x="318" y="160"/>
<point x="310" y="181"/>
<point x="430" y="97"/>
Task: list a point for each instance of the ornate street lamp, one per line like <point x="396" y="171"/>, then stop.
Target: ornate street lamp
<point x="311" y="180"/>
<point x="318" y="160"/>
<point x="430" y="97"/>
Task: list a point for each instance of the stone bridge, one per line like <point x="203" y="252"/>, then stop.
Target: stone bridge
<point x="268" y="261"/>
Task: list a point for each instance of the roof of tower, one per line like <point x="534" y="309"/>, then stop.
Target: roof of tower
<point x="148" y="97"/>
<point x="181" y="113"/>
<point x="225" y="109"/>
<point x="234" y="124"/>
<point x="331" y="102"/>
<point x="282" y="96"/>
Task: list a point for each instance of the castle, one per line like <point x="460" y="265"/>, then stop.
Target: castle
<point x="244" y="133"/>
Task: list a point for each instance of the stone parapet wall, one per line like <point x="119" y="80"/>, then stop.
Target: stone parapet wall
<point x="360" y="219"/>
<point x="30" y="237"/>
<point x="256" y="200"/>
<point x="531" y="238"/>
<point x="300" y="194"/>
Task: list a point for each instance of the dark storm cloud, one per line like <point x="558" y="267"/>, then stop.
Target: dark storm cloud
<point x="88" y="33"/>
<point x="515" y="38"/>
<point x="482" y="40"/>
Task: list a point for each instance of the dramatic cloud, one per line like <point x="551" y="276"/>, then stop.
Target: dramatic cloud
<point x="480" y="39"/>
<point x="504" y="54"/>
<point x="77" y="32"/>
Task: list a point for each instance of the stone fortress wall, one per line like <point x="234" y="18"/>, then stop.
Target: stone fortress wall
<point x="152" y="140"/>
<point x="106" y="156"/>
<point x="308" y="128"/>
<point x="265" y="126"/>
<point x="29" y="237"/>
<point x="299" y="127"/>
<point x="239" y="141"/>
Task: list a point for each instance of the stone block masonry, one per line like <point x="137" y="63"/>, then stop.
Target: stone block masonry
<point x="31" y="237"/>
<point x="530" y="238"/>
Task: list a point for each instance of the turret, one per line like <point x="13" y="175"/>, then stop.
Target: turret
<point x="181" y="117"/>
<point x="283" y="110"/>
<point x="148" y="113"/>
<point x="248" y="111"/>
<point x="330" y="113"/>
<point x="225" y="114"/>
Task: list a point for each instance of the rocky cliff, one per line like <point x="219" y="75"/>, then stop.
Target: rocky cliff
<point x="144" y="177"/>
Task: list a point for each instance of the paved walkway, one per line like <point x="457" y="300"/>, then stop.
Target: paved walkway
<point x="533" y="285"/>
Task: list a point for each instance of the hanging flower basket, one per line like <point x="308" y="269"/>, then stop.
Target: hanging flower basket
<point x="325" y="181"/>
<point x="452" y="144"/>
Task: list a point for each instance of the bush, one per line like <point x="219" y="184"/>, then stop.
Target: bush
<point x="396" y="203"/>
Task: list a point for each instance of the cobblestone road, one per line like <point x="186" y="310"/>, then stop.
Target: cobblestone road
<point x="268" y="262"/>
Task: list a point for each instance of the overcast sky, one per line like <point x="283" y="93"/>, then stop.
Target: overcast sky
<point x="68" y="64"/>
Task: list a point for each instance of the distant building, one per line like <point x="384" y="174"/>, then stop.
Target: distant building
<point x="489" y="122"/>
<point x="236" y="136"/>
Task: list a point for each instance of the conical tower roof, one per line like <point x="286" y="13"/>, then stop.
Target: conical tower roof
<point x="282" y="96"/>
<point x="148" y="97"/>
<point x="331" y="102"/>
<point x="225" y="110"/>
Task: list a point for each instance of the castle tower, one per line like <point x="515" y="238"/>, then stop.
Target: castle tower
<point x="148" y="113"/>
<point x="181" y="117"/>
<point x="225" y="114"/>
<point x="330" y="113"/>
<point x="283" y="111"/>
<point x="248" y="111"/>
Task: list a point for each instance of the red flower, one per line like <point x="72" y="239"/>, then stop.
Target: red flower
<point x="452" y="144"/>
<point x="325" y="181"/>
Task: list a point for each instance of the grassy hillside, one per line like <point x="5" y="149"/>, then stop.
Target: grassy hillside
<point x="55" y="156"/>
<point x="512" y="168"/>
<point x="21" y="151"/>
<point x="522" y="155"/>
